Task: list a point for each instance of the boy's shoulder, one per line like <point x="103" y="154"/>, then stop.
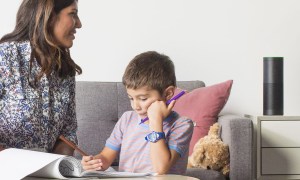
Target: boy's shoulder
<point x="128" y="115"/>
<point x="183" y="119"/>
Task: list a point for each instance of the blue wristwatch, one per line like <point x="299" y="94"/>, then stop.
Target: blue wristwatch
<point x="155" y="136"/>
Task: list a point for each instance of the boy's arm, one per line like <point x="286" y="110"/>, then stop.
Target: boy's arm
<point x="162" y="157"/>
<point x="101" y="161"/>
<point x="106" y="157"/>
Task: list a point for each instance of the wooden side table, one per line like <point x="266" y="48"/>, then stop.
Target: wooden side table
<point x="278" y="147"/>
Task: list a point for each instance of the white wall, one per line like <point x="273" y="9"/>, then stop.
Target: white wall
<point x="212" y="41"/>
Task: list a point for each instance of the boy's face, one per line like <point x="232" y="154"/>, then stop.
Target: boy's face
<point x="142" y="98"/>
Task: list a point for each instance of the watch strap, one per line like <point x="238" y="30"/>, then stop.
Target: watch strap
<point x="155" y="136"/>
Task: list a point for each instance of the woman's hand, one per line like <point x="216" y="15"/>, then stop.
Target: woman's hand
<point x="1" y="148"/>
<point x="90" y="163"/>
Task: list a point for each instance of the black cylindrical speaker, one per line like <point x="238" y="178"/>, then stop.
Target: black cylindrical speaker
<point x="273" y="85"/>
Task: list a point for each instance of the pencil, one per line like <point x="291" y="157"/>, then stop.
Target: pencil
<point x="72" y="145"/>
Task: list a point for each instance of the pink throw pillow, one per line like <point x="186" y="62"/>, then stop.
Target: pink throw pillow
<point x="203" y="106"/>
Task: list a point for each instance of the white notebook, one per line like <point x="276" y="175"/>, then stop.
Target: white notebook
<point x="16" y="164"/>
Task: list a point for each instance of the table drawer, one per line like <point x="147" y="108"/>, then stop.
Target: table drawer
<point x="280" y="161"/>
<point x="280" y="133"/>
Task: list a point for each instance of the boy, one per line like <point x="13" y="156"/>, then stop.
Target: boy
<point x="158" y="145"/>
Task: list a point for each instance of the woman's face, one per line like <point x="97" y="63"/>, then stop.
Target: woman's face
<point x="66" y="24"/>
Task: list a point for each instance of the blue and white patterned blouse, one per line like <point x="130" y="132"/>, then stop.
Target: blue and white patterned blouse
<point x="33" y="118"/>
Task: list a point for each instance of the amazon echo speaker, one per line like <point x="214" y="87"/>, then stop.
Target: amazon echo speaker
<point x="273" y="86"/>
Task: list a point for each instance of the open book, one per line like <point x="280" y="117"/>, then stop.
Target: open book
<point x="19" y="163"/>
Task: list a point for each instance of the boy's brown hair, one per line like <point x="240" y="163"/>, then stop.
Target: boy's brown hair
<point x="150" y="69"/>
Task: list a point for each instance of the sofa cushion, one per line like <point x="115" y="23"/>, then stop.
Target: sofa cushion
<point x="96" y="110"/>
<point x="203" y="106"/>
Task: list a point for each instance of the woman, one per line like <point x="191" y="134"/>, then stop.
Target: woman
<point x="37" y="77"/>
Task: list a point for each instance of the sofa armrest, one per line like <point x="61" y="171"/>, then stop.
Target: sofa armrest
<point x="205" y="174"/>
<point x="237" y="132"/>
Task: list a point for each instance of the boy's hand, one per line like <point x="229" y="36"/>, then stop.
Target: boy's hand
<point x="90" y="163"/>
<point x="157" y="112"/>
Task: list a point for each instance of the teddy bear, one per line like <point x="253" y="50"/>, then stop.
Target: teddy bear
<point x="210" y="152"/>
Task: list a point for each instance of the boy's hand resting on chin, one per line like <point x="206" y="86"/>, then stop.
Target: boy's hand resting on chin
<point x="158" y="111"/>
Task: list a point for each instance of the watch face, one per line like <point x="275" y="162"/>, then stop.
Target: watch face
<point x="155" y="136"/>
<point x="152" y="137"/>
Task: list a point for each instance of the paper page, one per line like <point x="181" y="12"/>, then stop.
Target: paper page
<point x="15" y="164"/>
<point x="60" y="168"/>
<point x="38" y="178"/>
<point x="110" y="169"/>
<point x="70" y="167"/>
<point x="113" y="174"/>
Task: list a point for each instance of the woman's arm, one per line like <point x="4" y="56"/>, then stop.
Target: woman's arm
<point x="70" y="124"/>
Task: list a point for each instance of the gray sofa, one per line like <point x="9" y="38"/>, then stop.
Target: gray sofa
<point x="100" y="104"/>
